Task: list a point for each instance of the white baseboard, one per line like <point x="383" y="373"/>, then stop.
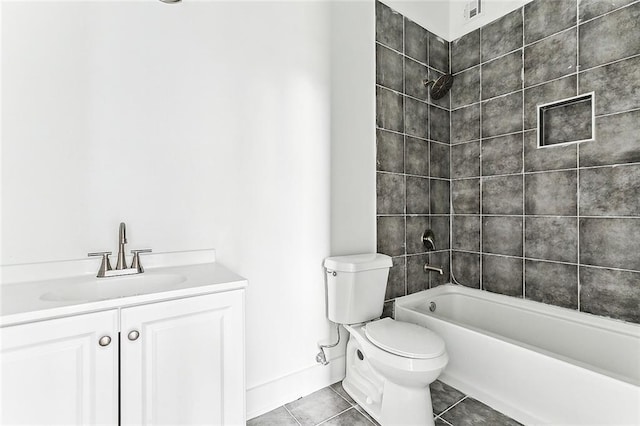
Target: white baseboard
<point x="271" y="395"/>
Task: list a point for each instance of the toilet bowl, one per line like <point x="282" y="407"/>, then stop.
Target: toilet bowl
<point x="390" y="365"/>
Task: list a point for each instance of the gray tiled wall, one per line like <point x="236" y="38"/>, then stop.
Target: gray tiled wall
<point x="559" y="225"/>
<point x="413" y="151"/>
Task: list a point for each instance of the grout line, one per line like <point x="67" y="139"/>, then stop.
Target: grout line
<point x="339" y="394"/>
<point x="449" y="408"/>
<point x="480" y="269"/>
<point x="607" y="13"/>
<point x="291" y="414"/>
<point x="524" y="281"/>
<point x="351" y="407"/>
<point x="548" y="261"/>
<point x="525" y="88"/>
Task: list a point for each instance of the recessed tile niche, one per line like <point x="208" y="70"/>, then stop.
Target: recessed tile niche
<point x="566" y="121"/>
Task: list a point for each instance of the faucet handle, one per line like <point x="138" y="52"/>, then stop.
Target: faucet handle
<point x="135" y="263"/>
<point x="105" y="265"/>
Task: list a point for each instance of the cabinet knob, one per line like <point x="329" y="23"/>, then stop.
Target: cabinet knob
<point x="133" y="335"/>
<point x="104" y="341"/>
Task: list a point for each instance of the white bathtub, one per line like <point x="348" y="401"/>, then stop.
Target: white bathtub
<point x="536" y="363"/>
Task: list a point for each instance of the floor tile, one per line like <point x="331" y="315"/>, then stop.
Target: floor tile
<point x="278" y="417"/>
<point x="471" y="412"/>
<point x="351" y="417"/>
<point x="317" y="407"/>
<point x="337" y="387"/>
<point x="443" y="396"/>
<point x="364" y="413"/>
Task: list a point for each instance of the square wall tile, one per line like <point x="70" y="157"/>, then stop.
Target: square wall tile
<point x="609" y="37"/>
<point x="396" y="286"/>
<point x="416" y="225"/>
<point x="389" y="110"/>
<point x="465" y="195"/>
<point x="465" y="51"/>
<point x="440" y="228"/>
<point x="439" y="160"/>
<point x="502" y="75"/>
<point x="466" y="88"/>
<point x="465" y="268"/>
<point x="502" y="235"/>
<point x="502" y="35"/>
<point x="502" y="275"/>
<point x="543" y="18"/>
<point x="502" y="155"/>
<point x="502" y="115"/>
<point x="465" y="160"/>
<point x="545" y="93"/>
<point x="616" y="141"/>
<point x="414" y="75"/>
<point x="465" y="233"/>
<point x="417" y="278"/>
<point x="417" y="195"/>
<point x="390" y="235"/>
<point x="551" y="238"/>
<point x="390" y="190"/>
<point x="389" y="27"/>
<point x="551" y="283"/>
<point x="609" y="242"/>
<point x="549" y="158"/>
<point x="438" y="53"/>
<point x="389" y="151"/>
<point x="417" y="156"/>
<point x="389" y="68"/>
<point x="415" y="39"/>
<point x="440" y="190"/>
<point x="465" y="124"/>
<point x="611" y="293"/>
<point x="617" y="86"/>
<point x="551" y="193"/>
<point x="416" y="118"/>
<point x="610" y="191"/>
<point x="387" y="310"/>
<point x="502" y="195"/>
<point x="439" y="124"/>
<point x="551" y="58"/>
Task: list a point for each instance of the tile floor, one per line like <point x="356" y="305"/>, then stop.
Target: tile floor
<point x="332" y="406"/>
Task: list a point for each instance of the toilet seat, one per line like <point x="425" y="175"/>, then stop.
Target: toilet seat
<point x="404" y="339"/>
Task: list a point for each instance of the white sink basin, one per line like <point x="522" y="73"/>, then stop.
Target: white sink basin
<point x="114" y="287"/>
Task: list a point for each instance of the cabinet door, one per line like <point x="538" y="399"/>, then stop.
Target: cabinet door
<point x="186" y="365"/>
<point x="56" y="371"/>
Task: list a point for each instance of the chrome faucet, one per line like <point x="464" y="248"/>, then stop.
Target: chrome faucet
<point x="428" y="268"/>
<point x="122" y="237"/>
<point x="121" y="267"/>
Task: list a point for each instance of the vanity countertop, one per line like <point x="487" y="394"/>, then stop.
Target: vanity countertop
<point x="67" y="293"/>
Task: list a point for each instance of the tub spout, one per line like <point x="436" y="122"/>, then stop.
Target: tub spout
<point x="428" y="268"/>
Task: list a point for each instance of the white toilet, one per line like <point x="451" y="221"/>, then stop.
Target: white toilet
<point x="390" y="364"/>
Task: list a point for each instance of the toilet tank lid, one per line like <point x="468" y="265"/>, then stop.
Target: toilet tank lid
<point x="358" y="262"/>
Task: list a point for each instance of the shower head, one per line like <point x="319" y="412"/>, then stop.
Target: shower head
<point x="439" y="87"/>
<point x="170" y="1"/>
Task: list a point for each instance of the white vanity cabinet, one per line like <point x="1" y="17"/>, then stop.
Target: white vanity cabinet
<point x="177" y="361"/>
<point x="182" y="361"/>
<point x="56" y="372"/>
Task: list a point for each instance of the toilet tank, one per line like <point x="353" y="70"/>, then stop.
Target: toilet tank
<point x="356" y="287"/>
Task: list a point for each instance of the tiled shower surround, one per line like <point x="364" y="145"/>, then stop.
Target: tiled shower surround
<point x="558" y="225"/>
<point x="413" y="149"/>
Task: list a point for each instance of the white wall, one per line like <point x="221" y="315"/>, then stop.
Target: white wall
<point x="430" y="14"/>
<point x="491" y="10"/>
<point x="199" y="124"/>
<point x="353" y="128"/>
